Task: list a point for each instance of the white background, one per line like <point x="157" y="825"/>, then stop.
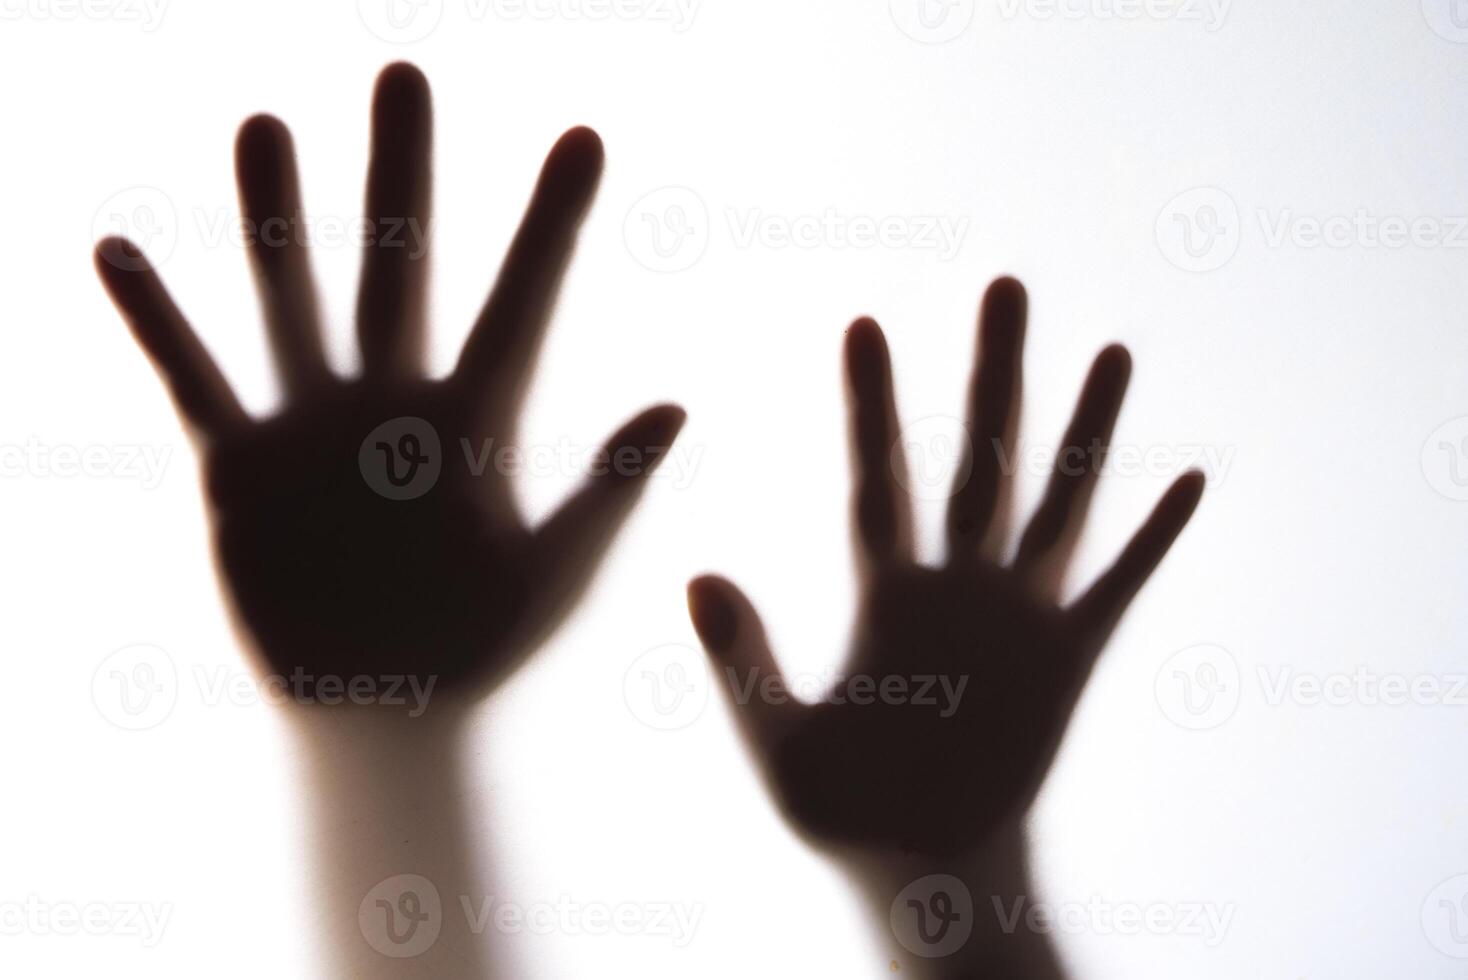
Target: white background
<point x="1328" y="542"/>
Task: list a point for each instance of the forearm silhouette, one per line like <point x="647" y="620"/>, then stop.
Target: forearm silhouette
<point x="901" y="788"/>
<point x="350" y="544"/>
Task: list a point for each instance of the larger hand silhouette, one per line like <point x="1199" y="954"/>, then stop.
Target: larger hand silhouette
<point x="962" y="677"/>
<point x="333" y="568"/>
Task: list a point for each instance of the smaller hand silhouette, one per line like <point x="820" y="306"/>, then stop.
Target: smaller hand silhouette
<point x="337" y="565"/>
<point x="961" y="678"/>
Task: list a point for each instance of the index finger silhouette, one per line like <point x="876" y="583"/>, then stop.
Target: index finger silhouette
<point x="507" y="333"/>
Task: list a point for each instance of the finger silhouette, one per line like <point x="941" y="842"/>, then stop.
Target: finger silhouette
<point x="199" y="390"/>
<point x="574" y="538"/>
<point x="858" y="771"/>
<point x="270" y="199"/>
<point x="367" y="531"/>
<point x="734" y="637"/>
<point x="1102" y="605"/>
<point x="983" y="489"/>
<point x="358" y="528"/>
<point x="508" y="331"/>
<point x="1051" y="535"/>
<point x="881" y="509"/>
<point x="393" y="292"/>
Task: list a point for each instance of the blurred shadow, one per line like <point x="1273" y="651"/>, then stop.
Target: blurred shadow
<point x="366" y="534"/>
<point x="918" y="768"/>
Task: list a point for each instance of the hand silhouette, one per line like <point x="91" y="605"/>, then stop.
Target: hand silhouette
<point x="962" y="677"/>
<point x="333" y="567"/>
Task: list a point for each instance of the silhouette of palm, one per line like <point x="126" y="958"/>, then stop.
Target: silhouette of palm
<point x="914" y="766"/>
<point x="332" y="570"/>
